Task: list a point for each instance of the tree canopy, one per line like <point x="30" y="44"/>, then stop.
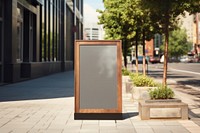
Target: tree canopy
<point x="178" y="44"/>
<point x="131" y="20"/>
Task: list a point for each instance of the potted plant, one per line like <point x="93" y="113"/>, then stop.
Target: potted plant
<point x="126" y="79"/>
<point x="125" y="74"/>
<point x="162" y="104"/>
<point x="141" y="85"/>
<point x="161" y="92"/>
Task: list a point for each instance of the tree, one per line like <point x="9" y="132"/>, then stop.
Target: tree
<point x="165" y="12"/>
<point x="178" y="44"/>
<point x="116" y="25"/>
<point x="140" y="21"/>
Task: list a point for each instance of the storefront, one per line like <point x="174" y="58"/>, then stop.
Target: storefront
<point x="36" y="37"/>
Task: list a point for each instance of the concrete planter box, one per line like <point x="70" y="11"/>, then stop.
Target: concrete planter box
<point x="125" y="79"/>
<point x="129" y="86"/>
<point x="141" y="93"/>
<point x="163" y="109"/>
<point x="128" y="83"/>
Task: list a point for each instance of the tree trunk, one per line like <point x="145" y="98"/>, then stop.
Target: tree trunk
<point x="197" y="28"/>
<point x="125" y="52"/>
<point x="166" y="49"/>
<point x="144" y="55"/>
<point x="136" y="53"/>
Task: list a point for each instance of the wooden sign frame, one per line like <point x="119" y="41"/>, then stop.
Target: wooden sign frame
<point x="98" y="113"/>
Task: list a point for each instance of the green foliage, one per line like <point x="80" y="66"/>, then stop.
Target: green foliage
<point x="125" y="72"/>
<point x="122" y="24"/>
<point x="140" y="80"/>
<point x="178" y="44"/>
<point x="162" y="92"/>
<point x="162" y="10"/>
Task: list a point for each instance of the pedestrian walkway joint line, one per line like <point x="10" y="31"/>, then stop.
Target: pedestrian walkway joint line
<point x="185" y="71"/>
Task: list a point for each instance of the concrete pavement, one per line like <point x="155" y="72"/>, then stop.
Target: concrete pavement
<point x="46" y="105"/>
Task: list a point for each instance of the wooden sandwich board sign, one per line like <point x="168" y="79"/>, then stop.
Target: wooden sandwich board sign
<point x="98" y="79"/>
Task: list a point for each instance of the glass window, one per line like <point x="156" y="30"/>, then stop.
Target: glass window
<point x="53" y="32"/>
<point x="56" y="23"/>
<point x="1" y="10"/>
<point x="42" y="30"/>
<point x="19" y="34"/>
<point x="47" y="29"/>
<point x="1" y="19"/>
<point x="0" y="41"/>
<point x="58" y="30"/>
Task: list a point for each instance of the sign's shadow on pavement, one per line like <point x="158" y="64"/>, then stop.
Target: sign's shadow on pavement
<point x="130" y="115"/>
<point x="59" y="85"/>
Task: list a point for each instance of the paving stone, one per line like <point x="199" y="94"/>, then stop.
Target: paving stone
<point x="109" y="130"/>
<point x="5" y="130"/>
<point x="71" y="131"/>
<point x="173" y="123"/>
<point x="178" y="129"/>
<point x="126" y="130"/>
<point x="152" y="122"/>
<point x="142" y="126"/>
<point x="107" y="123"/>
<point x="140" y="123"/>
<point x="91" y="127"/>
<point x="34" y="131"/>
<point x="89" y="131"/>
<point x="193" y="130"/>
<point x="90" y="122"/>
<point x="144" y="130"/>
<point x="20" y="130"/>
<point x="160" y="129"/>
<point x="51" y="131"/>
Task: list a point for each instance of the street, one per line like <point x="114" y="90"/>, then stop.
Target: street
<point x="183" y="73"/>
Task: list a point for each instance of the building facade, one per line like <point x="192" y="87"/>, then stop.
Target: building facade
<point x="37" y="37"/>
<point x="149" y="48"/>
<point x="93" y="31"/>
<point x="186" y="22"/>
<point x="153" y="46"/>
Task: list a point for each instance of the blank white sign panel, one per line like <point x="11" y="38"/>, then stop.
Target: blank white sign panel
<point x="98" y="76"/>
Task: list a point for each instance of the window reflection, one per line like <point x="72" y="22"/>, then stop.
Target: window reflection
<point x="50" y="25"/>
<point x="19" y="55"/>
<point x="1" y="6"/>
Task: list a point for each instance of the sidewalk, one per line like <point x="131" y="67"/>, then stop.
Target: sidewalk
<point x="46" y="105"/>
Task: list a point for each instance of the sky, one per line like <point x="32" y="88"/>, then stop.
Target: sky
<point x="90" y="7"/>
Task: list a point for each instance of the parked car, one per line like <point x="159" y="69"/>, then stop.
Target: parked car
<point x="140" y="60"/>
<point x="187" y="59"/>
<point x="184" y="59"/>
<point x="154" y="59"/>
<point x="162" y="59"/>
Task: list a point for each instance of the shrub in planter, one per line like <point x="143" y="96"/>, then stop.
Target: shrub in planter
<point x="162" y="92"/>
<point x="141" y="85"/>
<point x="141" y="80"/>
<point x="125" y="72"/>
